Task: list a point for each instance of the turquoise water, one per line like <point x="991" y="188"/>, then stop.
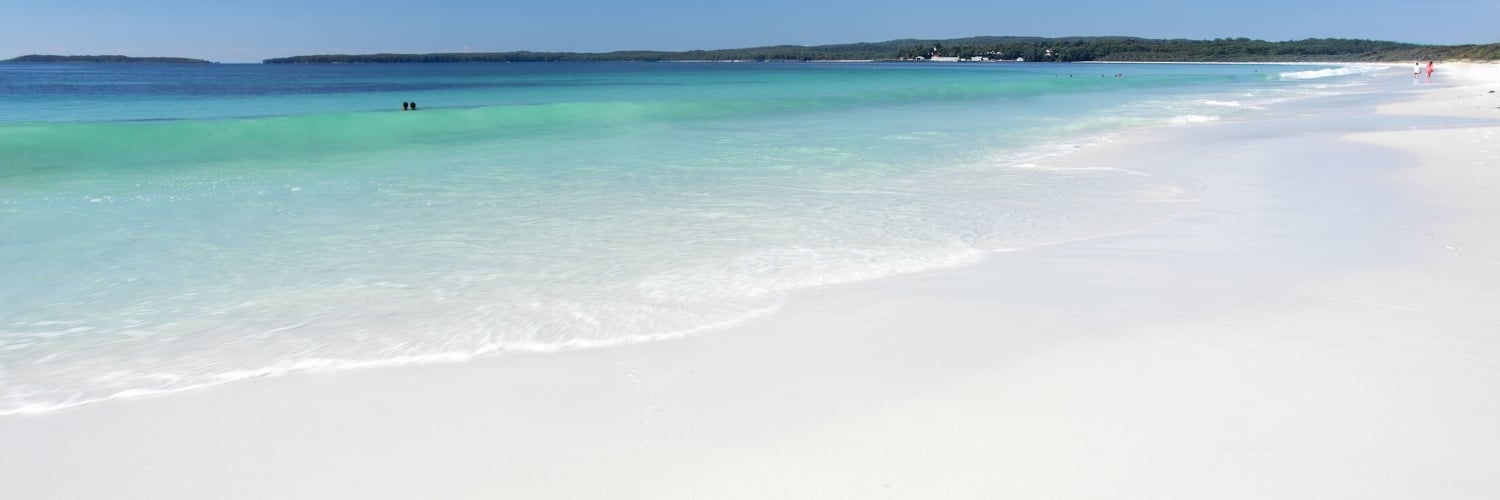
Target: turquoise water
<point x="170" y="227"/>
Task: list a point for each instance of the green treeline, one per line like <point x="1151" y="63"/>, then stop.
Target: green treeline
<point x="1220" y="50"/>
<point x="105" y="59"/>
<point x="846" y="52"/>
<point x="1002" y="48"/>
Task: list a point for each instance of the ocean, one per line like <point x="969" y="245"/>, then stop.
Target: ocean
<point x="173" y="227"/>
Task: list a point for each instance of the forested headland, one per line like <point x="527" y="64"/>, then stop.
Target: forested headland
<point x="1033" y="49"/>
<point x="105" y="59"/>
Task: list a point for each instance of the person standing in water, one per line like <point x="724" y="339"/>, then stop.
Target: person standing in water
<point x="1416" y="71"/>
<point x="1429" y="71"/>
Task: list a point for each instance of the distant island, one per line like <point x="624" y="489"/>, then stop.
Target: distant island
<point x="105" y="59"/>
<point x="988" y="48"/>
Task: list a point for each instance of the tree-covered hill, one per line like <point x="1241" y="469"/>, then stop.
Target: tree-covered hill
<point x="1070" y="49"/>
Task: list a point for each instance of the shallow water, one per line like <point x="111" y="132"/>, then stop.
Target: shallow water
<point x="166" y="227"/>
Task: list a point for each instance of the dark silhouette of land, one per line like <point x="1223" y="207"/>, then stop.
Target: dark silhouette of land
<point x="1030" y="49"/>
<point x="105" y="59"/>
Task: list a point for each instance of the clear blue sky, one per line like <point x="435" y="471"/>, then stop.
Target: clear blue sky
<point x="249" y="31"/>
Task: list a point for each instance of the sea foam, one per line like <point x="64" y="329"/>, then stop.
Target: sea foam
<point x="1329" y="72"/>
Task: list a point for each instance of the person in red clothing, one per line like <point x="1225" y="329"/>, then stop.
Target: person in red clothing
<point x="1429" y="71"/>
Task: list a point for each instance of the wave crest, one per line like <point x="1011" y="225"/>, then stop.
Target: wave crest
<point x="1328" y="72"/>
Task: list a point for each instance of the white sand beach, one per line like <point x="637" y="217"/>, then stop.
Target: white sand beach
<point x="1323" y="322"/>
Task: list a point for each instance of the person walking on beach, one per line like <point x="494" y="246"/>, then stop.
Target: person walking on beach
<point x="1416" y="71"/>
<point x="1429" y="71"/>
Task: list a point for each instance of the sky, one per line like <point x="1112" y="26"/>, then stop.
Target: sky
<point x="252" y="31"/>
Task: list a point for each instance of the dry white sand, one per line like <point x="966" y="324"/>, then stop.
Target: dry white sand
<point x="1323" y="323"/>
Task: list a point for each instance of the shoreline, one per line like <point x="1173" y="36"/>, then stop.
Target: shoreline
<point x="1320" y="319"/>
<point x="164" y="379"/>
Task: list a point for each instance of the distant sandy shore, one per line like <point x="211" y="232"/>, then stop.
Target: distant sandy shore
<point x="1323" y="323"/>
